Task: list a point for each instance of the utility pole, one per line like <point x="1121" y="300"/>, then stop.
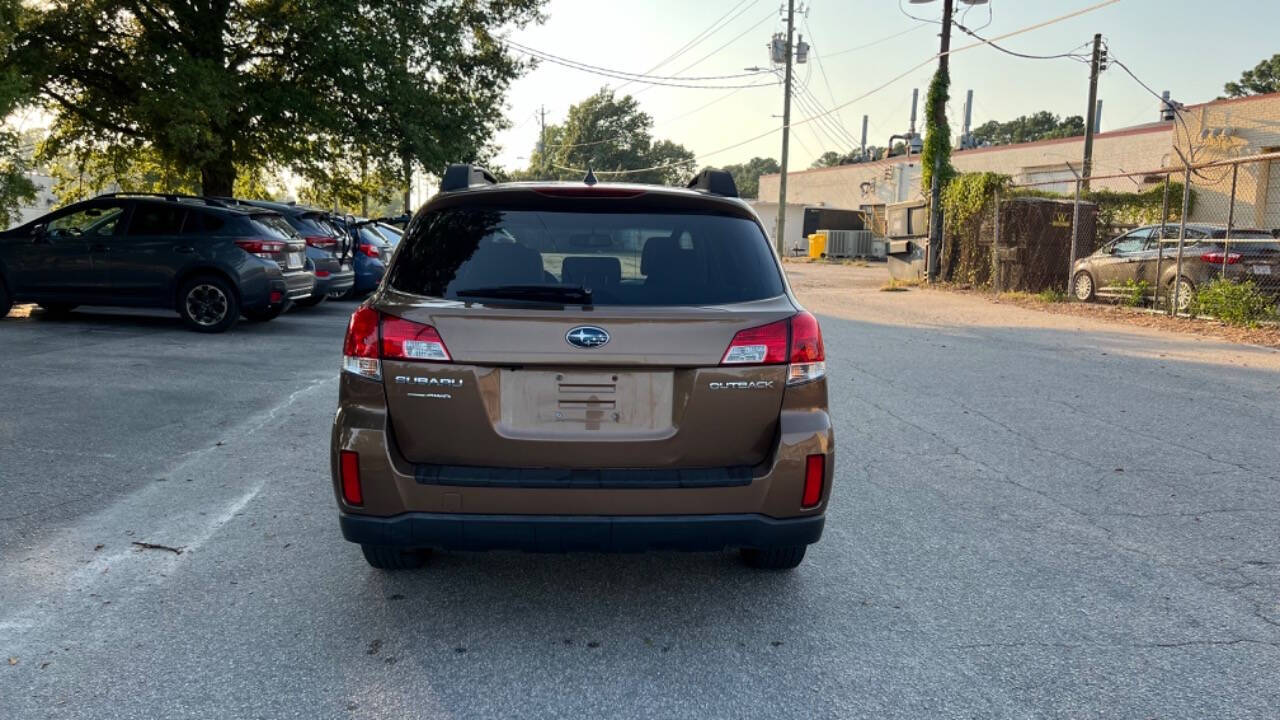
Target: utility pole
<point x="940" y="114"/>
<point x="780" y="240"/>
<point x="542" y="141"/>
<point x="1090" y="123"/>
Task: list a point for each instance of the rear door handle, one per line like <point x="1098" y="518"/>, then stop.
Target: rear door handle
<point x="185" y="249"/>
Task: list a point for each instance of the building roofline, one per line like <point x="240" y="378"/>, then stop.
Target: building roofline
<point x="1234" y="101"/>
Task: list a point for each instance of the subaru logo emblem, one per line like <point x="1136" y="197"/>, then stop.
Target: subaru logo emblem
<point x="587" y="337"/>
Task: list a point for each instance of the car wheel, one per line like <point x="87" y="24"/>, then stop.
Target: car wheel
<point x="385" y="557"/>
<point x="310" y="300"/>
<point x="208" y="304"/>
<point x="6" y="301"/>
<point x="270" y="314"/>
<point x="784" y="557"/>
<point x="1181" y="293"/>
<point x="58" y="309"/>
<point x="1082" y="287"/>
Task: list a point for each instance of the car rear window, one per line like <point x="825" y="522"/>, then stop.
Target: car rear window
<point x="273" y="226"/>
<point x="1250" y="240"/>
<point x="311" y="225"/>
<point x="623" y="258"/>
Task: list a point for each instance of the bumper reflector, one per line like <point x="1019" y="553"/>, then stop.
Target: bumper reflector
<point x="349" y="463"/>
<point x="815" y="471"/>
<point x="276" y="296"/>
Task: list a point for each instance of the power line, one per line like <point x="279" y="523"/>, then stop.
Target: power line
<point x="878" y="88"/>
<point x="730" y="42"/>
<point x="864" y="46"/>
<point x="707" y="32"/>
<point x="1072" y="54"/>
<point x="622" y="74"/>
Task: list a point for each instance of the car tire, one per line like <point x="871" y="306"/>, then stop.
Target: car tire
<point x="784" y="557"/>
<point x="384" y="557"/>
<point x="208" y="304"/>
<point x="1083" y="287"/>
<point x="1177" y="290"/>
<point x="271" y="314"/>
<point x="310" y="300"/>
<point x="6" y="300"/>
<point x="58" y="309"/>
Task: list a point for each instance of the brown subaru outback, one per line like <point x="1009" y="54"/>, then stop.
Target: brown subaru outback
<point x="581" y="366"/>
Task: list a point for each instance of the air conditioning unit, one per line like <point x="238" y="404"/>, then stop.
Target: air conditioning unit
<point x="850" y="243"/>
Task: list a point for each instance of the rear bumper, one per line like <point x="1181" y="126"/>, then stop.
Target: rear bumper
<point x="566" y="533"/>
<point x="299" y="285"/>
<point x="339" y="282"/>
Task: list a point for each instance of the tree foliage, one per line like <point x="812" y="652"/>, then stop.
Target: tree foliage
<point x="1042" y="125"/>
<point x="747" y="175"/>
<point x="16" y="189"/>
<point x="1262" y="79"/>
<point x="216" y="86"/>
<point x="608" y="133"/>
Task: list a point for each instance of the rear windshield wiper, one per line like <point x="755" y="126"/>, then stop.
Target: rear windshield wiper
<point x="572" y="294"/>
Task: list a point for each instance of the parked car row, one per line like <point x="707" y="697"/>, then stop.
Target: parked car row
<point x="213" y="260"/>
<point x="1147" y="255"/>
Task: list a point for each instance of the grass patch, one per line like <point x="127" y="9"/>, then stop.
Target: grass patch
<point x="1134" y="294"/>
<point x="896" y="285"/>
<point x="1235" y="303"/>
<point x="1051" y="295"/>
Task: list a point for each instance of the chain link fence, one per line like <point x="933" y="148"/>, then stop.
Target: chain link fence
<point x="1198" y="239"/>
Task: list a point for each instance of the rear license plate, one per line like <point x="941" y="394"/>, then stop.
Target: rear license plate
<point x="548" y="403"/>
<point x="1261" y="269"/>
<point x="295" y="260"/>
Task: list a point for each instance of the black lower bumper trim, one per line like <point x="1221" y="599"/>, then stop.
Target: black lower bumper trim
<point x="564" y="533"/>
<point x="624" y="478"/>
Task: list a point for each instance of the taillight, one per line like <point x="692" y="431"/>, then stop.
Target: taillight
<point x="796" y="341"/>
<point x="360" y="349"/>
<point x="815" y="472"/>
<point x="349" y="471"/>
<point x="764" y="345"/>
<point x="324" y="242"/>
<point x="367" y="344"/>
<point x="1216" y="257"/>
<point x="407" y="340"/>
<point x="267" y="249"/>
<point x="808" y="357"/>
<point x="370" y="249"/>
<point x="322" y="273"/>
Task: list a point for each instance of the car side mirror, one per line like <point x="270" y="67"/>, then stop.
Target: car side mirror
<point x="40" y="234"/>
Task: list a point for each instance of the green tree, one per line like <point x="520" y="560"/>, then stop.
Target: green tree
<point x="1262" y="79"/>
<point x="607" y="133"/>
<point x="747" y="175"/>
<point x="16" y="189"/>
<point x="227" y="84"/>
<point x="830" y="158"/>
<point x="1042" y="125"/>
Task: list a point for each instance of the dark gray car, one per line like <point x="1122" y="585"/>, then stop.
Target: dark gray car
<point x="209" y="262"/>
<point x="1149" y="255"/>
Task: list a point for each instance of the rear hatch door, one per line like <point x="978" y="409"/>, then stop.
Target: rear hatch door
<point x="632" y="379"/>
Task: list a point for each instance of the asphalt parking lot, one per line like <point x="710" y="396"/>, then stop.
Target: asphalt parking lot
<point x="1033" y="516"/>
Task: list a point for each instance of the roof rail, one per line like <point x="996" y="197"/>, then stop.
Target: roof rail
<point x="714" y="182"/>
<point x="212" y="201"/>
<point x="460" y="176"/>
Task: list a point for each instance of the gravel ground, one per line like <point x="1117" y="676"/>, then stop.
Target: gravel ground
<point x="1035" y="515"/>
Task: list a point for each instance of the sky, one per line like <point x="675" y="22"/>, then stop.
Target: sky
<point x="1189" y="47"/>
